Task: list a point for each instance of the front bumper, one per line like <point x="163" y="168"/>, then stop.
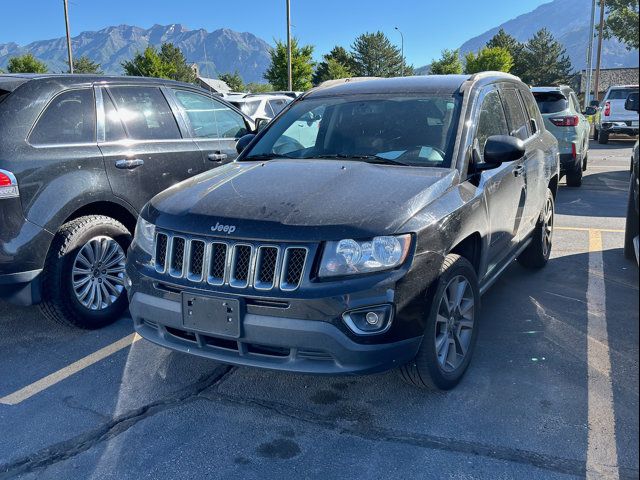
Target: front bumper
<point x="22" y="288"/>
<point x="277" y="343"/>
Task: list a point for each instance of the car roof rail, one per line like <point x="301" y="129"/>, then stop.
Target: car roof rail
<point x="340" y="81"/>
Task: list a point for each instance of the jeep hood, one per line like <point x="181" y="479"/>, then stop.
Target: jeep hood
<point x="300" y="200"/>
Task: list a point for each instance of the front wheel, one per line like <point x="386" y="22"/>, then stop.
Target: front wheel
<point x="537" y="254"/>
<point x="451" y="329"/>
<point x="83" y="279"/>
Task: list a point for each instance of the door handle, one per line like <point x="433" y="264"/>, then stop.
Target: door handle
<point x="129" y="164"/>
<point x="217" y="156"/>
<point x="518" y="170"/>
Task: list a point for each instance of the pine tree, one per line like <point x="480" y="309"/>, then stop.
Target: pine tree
<point x="84" y="64"/>
<point x="338" y="63"/>
<point x="301" y="66"/>
<point x="375" y="56"/>
<point x="545" y="61"/>
<point x="503" y="40"/>
<point x="449" y="63"/>
<point x="168" y="63"/>
<point x="233" y="80"/>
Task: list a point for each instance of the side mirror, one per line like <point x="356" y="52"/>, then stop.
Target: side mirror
<point x="500" y="149"/>
<point x="592" y="110"/>
<point x="632" y="102"/>
<point x="261" y="123"/>
<point x="594" y="103"/>
<point x="244" y="142"/>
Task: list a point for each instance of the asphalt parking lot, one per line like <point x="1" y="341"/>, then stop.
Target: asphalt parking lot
<point x="552" y="391"/>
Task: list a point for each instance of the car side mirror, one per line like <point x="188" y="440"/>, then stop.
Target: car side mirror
<point x="591" y="110"/>
<point x="261" y="123"/>
<point x="244" y="142"/>
<point x="594" y="103"/>
<point x="632" y="102"/>
<point x="500" y="149"/>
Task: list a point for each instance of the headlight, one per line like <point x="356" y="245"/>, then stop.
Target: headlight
<point x="145" y="235"/>
<point x="351" y="257"/>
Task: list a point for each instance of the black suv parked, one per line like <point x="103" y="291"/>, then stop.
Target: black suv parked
<point x="79" y="158"/>
<point x="355" y="233"/>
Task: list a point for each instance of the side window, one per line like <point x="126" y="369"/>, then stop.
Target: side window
<point x="69" y="119"/>
<point x="113" y="127"/>
<point x="269" y="110"/>
<point x="210" y="118"/>
<point x="532" y="110"/>
<point x="576" y="103"/>
<point x="145" y="113"/>
<point x="518" y="123"/>
<point x="491" y="121"/>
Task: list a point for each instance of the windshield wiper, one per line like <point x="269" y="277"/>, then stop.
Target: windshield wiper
<point x="267" y="156"/>
<point x="364" y="158"/>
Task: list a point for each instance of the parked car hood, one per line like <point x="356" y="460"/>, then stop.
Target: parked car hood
<point x="299" y="200"/>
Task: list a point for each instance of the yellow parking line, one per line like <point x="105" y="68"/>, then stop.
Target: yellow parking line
<point x="56" y="377"/>
<point x="602" y="456"/>
<point x="583" y="229"/>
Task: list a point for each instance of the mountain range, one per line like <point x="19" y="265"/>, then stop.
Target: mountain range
<point x="216" y="52"/>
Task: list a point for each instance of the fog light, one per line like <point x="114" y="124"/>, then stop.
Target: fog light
<point x="369" y="320"/>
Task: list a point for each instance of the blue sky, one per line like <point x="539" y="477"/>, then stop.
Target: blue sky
<point x="428" y="25"/>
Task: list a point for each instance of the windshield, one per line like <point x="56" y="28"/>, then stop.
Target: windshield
<point x="551" y="102"/>
<point x="621" y="93"/>
<point x="415" y="130"/>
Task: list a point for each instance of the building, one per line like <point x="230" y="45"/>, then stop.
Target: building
<point x="608" y="78"/>
<point x="214" y="85"/>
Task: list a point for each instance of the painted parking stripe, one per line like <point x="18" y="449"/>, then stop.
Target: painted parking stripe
<point x="602" y="455"/>
<point x="56" y="377"/>
<point x="584" y="229"/>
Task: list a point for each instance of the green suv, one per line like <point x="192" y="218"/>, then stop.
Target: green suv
<point x="562" y="116"/>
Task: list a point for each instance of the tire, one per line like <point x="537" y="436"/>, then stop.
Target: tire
<point x="574" y="178"/>
<point x="426" y="370"/>
<point x="632" y="226"/>
<point x="75" y="243"/>
<point x="585" y="163"/>
<point x="603" y="138"/>
<point x="595" y="133"/>
<point x="537" y="254"/>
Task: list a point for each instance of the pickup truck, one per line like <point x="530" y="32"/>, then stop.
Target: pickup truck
<point x="363" y="243"/>
<point x="613" y="118"/>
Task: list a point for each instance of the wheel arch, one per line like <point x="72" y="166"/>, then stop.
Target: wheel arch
<point x="553" y="186"/>
<point x="470" y="248"/>
<point x="117" y="211"/>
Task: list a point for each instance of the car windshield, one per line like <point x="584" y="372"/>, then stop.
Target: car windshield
<point x="551" y="102"/>
<point x="620" y="93"/>
<point x="416" y="130"/>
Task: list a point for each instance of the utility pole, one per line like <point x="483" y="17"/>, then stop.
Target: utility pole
<point x="289" y="68"/>
<point x="596" y="89"/>
<point x="587" y="93"/>
<point x="66" y="22"/>
<point x="402" y="51"/>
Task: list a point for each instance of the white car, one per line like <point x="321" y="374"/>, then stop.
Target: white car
<point x="613" y="118"/>
<point x="261" y="106"/>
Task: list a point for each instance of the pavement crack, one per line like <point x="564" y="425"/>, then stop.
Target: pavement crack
<point x="111" y="429"/>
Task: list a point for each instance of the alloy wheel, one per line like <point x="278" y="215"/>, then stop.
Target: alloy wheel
<point x="98" y="273"/>
<point x="547" y="227"/>
<point x="454" y="323"/>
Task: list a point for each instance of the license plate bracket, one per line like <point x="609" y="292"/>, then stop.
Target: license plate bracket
<point x="212" y="315"/>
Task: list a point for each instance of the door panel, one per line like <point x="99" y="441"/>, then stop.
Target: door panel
<point x="143" y="147"/>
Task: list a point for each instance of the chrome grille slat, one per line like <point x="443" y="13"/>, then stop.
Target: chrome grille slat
<point x="236" y="264"/>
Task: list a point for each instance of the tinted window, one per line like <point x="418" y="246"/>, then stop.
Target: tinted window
<point x="210" y="118"/>
<point x="492" y="121"/>
<point x="113" y="128"/>
<point x="532" y="109"/>
<point x="551" y="102"/>
<point x="69" y="118"/>
<point x="621" y="93"/>
<point x="278" y="105"/>
<point x="518" y="122"/>
<point x="145" y="113"/>
<point x="249" y="108"/>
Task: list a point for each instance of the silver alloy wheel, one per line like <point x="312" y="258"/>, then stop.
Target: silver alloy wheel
<point x="98" y="273"/>
<point x="454" y="323"/>
<point x="547" y="227"/>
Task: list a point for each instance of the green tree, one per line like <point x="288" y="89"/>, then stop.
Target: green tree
<point x="622" y="22"/>
<point x="301" y="66"/>
<point x="545" y="61"/>
<point x="234" y="80"/>
<point x="26" y="64"/>
<point x="495" y="59"/>
<point x="514" y="47"/>
<point x="449" y="63"/>
<point x="338" y="63"/>
<point x="168" y="62"/>
<point x="375" y="56"/>
<point x="254" y="87"/>
<point x="84" y="64"/>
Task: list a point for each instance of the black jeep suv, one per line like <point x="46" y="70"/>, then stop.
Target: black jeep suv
<point x="355" y="233"/>
<point x="79" y="158"/>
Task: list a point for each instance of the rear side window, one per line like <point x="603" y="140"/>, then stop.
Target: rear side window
<point x="145" y="113"/>
<point x="620" y="93"/>
<point x="533" y="112"/>
<point x="551" y="102"/>
<point x="492" y="121"/>
<point x="113" y="127"/>
<point x="70" y="118"/>
<point x="210" y="118"/>
<point x="518" y="122"/>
